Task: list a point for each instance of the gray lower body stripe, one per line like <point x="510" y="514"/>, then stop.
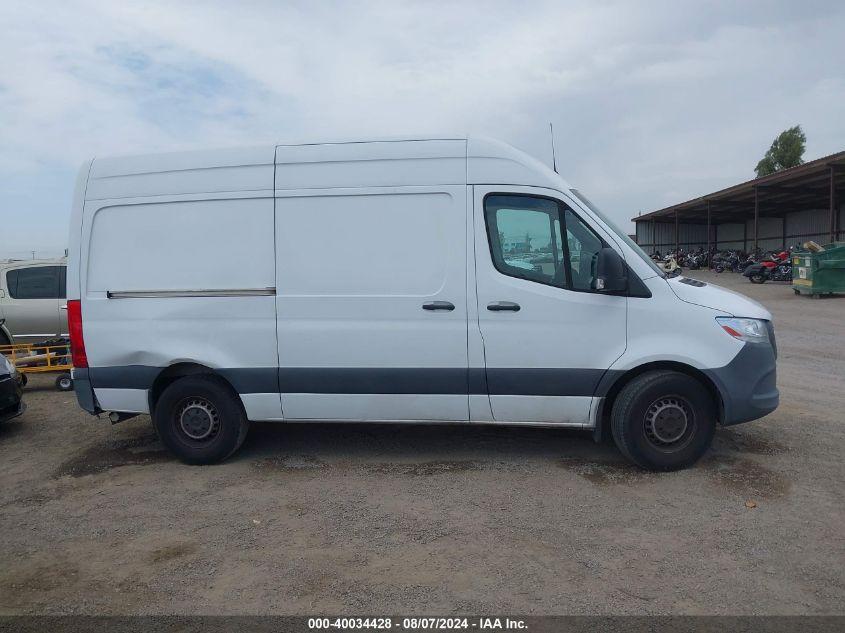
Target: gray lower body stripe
<point x="373" y="380"/>
<point x="543" y="382"/>
<point x="126" y="377"/>
<point x="394" y="380"/>
<point x="252" y="379"/>
<point x="243" y="379"/>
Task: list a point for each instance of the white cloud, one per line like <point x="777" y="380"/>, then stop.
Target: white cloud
<point x="652" y="102"/>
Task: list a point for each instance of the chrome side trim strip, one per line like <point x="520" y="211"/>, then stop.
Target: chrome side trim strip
<point x="167" y="294"/>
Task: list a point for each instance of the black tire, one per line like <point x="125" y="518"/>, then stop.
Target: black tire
<point x="64" y="382"/>
<point x="4" y="340"/>
<point x="663" y="420"/>
<point x="200" y="419"/>
<point x="757" y="278"/>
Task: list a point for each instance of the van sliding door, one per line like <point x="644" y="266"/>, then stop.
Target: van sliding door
<point x="371" y="303"/>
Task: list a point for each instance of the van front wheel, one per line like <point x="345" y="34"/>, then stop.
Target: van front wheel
<point x="663" y="420"/>
<point x="200" y="419"/>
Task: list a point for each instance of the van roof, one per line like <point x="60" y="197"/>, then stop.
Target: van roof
<point x="396" y="161"/>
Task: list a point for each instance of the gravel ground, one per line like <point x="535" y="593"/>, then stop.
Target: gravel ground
<point x="381" y="519"/>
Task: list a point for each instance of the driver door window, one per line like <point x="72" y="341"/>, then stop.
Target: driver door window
<point x="525" y="238"/>
<point x="526" y="241"/>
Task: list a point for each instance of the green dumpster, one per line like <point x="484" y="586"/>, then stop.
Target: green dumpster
<point x="819" y="273"/>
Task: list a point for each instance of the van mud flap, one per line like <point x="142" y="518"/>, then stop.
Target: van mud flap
<point x="84" y="391"/>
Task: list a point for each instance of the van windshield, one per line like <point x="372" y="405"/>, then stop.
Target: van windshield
<point x="619" y="232"/>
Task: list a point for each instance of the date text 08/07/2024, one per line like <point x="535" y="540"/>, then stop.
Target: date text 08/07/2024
<point x="416" y="623"/>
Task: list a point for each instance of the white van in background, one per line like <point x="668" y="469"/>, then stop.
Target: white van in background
<point x="421" y="280"/>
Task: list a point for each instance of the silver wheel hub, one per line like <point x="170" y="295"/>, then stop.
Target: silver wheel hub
<point x="199" y="419"/>
<point x="667" y="420"/>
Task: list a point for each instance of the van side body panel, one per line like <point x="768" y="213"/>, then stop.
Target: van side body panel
<point x="367" y="235"/>
<point x="157" y="261"/>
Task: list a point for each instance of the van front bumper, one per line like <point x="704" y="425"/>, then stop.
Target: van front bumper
<point x="748" y="384"/>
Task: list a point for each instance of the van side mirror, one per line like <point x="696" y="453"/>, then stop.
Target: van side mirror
<point x="610" y="274"/>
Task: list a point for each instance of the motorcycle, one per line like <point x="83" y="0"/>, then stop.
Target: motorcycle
<point x="743" y="264"/>
<point x="695" y="261"/>
<point x="777" y="268"/>
<point x="729" y="261"/>
<point x="670" y="266"/>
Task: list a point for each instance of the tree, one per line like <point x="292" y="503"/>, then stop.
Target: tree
<point x="786" y="151"/>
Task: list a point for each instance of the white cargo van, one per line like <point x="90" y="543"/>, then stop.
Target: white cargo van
<point x="421" y="280"/>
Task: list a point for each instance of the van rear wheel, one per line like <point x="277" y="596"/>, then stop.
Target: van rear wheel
<point x="663" y="420"/>
<point x="200" y="419"/>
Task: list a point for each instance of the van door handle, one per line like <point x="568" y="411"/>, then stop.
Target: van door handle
<point x="439" y="305"/>
<point x="501" y="306"/>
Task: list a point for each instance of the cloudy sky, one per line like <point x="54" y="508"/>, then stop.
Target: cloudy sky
<point x="652" y="102"/>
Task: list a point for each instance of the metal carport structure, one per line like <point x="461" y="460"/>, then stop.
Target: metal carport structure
<point x="775" y="211"/>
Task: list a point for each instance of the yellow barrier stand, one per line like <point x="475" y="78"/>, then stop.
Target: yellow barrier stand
<point x="33" y="358"/>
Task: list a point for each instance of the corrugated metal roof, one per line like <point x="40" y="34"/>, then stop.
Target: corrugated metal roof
<point x="802" y="187"/>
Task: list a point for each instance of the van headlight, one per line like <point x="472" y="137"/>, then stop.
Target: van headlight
<point x="748" y="330"/>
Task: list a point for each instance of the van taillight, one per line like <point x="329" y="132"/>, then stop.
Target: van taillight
<point x="77" y="343"/>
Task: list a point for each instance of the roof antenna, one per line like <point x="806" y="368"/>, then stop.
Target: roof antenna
<point x="552" y="133"/>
